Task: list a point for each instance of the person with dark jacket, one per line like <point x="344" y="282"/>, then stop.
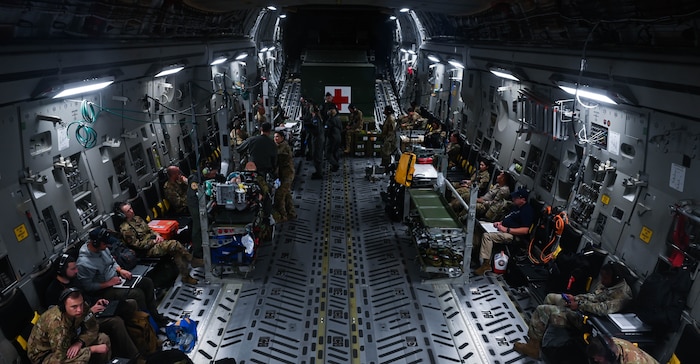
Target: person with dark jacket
<point x="262" y="150"/>
<point x="334" y="130"/>
<point x="318" y="137"/>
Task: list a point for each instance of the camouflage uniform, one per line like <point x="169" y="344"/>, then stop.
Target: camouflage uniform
<point x="495" y="197"/>
<point x="602" y="301"/>
<point x="284" y="208"/>
<point x="176" y="194"/>
<point x="631" y="354"/>
<point x="482" y="177"/>
<point x="355" y="124"/>
<point x="453" y="152"/>
<point x="389" y="137"/>
<point x="138" y="235"/>
<point x="54" y="333"/>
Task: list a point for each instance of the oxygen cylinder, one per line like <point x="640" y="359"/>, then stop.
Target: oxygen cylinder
<point x="500" y="262"/>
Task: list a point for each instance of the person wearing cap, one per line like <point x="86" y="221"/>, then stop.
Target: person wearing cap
<point x="388" y="135"/>
<point x="516" y="223"/>
<point x="355" y="124"/>
<point x="334" y="128"/>
<point x="263" y="151"/>
<point x="98" y="273"/>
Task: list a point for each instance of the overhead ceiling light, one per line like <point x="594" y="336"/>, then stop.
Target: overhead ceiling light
<point x="271" y="8"/>
<point x="82" y="87"/>
<point x="272" y="48"/>
<point x="404" y="10"/>
<point x="219" y="60"/>
<point x="433" y="58"/>
<point x="170" y="70"/>
<point x="403" y="50"/>
<point x="456" y="64"/>
<point x="241" y="56"/>
<point x="264" y="49"/>
<point x="587" y="92"/>
<point x="504" y="73"/>
<point x="392" y="17"/>
<point x="411" y="51"/>
<point x="282" y="16"/>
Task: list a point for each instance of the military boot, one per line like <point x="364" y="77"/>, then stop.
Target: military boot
<point x="485" y="266"/>
<point x="184" y="268"/>
<point x="197" y="262"/>
<point x="530" y="348"/>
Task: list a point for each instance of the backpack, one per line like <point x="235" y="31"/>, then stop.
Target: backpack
<point x="139" y="328"/>
<point x="172" y="356"/>
<point x="125" y="256"/>
<point x="183" y="333"/>
<point x="661" y="299"/>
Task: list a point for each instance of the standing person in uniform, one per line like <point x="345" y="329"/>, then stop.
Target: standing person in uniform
<point x="334" y="129"/>
<point x="284" y="207"/>
<point x="388" y="135"/>
<point x="175" y="190"/>
<point x="355" y="124"/>
<point x="138" y="235"/>
<point x="68" y="333"/>
<point x="328" y="104"/>
<point x="318" y="137"/>
<point x="305" y="137"/>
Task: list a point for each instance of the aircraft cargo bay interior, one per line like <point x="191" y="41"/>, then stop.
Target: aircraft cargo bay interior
<point x="349" y="182"/>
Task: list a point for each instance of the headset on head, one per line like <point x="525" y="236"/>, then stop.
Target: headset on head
<point x="62" y="265"/>
<point x="64" y="296"/>
<point x="118" y="210"/>
<point x="102" y="236"/>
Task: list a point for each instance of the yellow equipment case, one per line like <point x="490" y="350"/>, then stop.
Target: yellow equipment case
<point x="405" y="169"/>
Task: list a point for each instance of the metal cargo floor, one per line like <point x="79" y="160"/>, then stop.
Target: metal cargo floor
<point x="341" y="284"/>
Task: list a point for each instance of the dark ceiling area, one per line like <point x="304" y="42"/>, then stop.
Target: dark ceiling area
<point x="661" y="26"/>
<point x="319" y="27"/>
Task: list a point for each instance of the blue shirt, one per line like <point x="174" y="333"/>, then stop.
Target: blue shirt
<point x="522" y="216"/>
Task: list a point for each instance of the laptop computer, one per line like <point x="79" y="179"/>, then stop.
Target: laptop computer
<point x="129" y="283"/>
<point x="628" y="322"/>
<point x="110" y="310"/>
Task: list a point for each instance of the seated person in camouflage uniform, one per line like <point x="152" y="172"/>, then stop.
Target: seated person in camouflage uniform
<point x="610" y="295"/>
<point x="454" y="149"/>
<point x="482" y="179"/>
<point x="175" y="190"/>
<point x="494" y="203"/>
<point x="68" y="333"/>
<point x="614" y="350"/>
<point x="138" y="235"/>
<point x="66" y="277"/>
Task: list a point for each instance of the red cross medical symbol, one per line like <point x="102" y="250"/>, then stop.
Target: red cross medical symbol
<point x="338" y="98"/>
